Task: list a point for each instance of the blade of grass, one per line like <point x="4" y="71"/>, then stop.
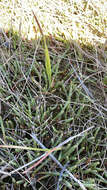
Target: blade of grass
<point x="47" y="63"/>
<point x="3" y="129"/>
<point x="26" y="148"/>
<point x="47" y="57"/>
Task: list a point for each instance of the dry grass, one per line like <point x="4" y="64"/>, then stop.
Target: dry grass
<point x="71" y="112"/>
<point x="84" y="21"/>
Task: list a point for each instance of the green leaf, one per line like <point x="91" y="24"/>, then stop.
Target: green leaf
<point x="47" y="62"/>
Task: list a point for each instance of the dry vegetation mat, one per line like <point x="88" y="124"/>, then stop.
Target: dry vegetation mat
<point x="53" y="94"/>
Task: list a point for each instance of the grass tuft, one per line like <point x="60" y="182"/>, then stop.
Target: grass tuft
<point x="53" y="94"/>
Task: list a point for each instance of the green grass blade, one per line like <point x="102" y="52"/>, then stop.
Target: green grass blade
<point x="3" y="129"/>
<point x="26" y="148"/>
<point x="47" y="57"/>
<point x="47" y="63"/>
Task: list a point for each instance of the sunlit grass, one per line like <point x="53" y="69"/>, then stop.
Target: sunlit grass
<point x="84" y="21"/>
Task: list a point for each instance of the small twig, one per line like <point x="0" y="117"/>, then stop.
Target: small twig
<point x="82" y="84"/>
<point x="33" y="161"/>
<point x="5" y="173"/>
<point x="37" y="163"/>
<point x="41" y="31"/>
<point x="71" y="138"/>
<point x="64" y="168"/>
<point x="58" y="163"/>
